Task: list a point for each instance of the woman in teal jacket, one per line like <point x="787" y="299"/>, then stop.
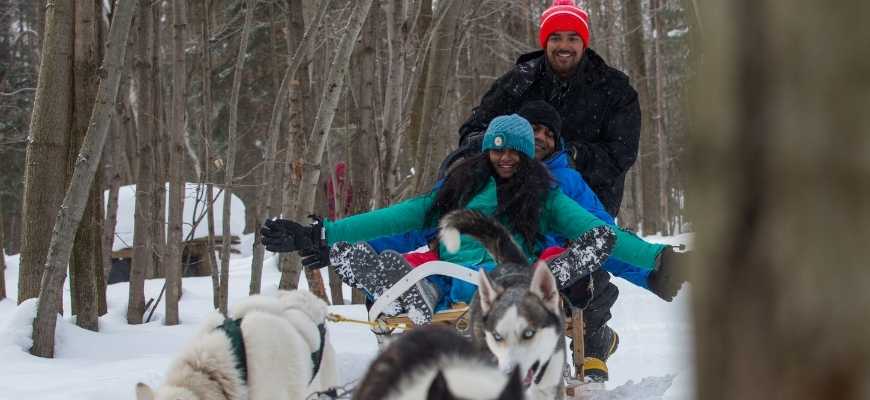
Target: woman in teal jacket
<point x="504" y="181"/>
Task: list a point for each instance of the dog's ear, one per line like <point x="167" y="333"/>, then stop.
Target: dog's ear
<point x="144" y="392"/>
<point x="544" y="286"/>
<point x="439" y="390"/>
<point x="488" y="291"/>
<point x="513" y="389"/>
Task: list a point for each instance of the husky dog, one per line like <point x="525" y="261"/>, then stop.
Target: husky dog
<point x="282" y="340"/>
<point x="516" y="313"/>
<point x="436" y="363"/>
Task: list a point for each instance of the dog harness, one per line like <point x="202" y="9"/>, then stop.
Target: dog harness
<point x="233" y="329"/>
<point x="317" y="356"/>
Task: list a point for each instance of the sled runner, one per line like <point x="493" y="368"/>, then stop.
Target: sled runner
<point x="457" y="316"/>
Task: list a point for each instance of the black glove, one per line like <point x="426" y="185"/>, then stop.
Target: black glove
<point x="668" y="276"/>
<point x="316" y="257"/>
<point x="282" y="236"/>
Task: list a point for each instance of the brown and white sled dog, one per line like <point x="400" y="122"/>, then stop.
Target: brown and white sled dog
<point x="279" y="337"/>
<point x="516" y="313"/>
<point x="436" y="363"/>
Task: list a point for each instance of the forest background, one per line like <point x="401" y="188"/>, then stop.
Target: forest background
<point x="267" y="99"/>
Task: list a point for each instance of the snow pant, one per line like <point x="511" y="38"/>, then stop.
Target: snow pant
<point x="595" y="300"/>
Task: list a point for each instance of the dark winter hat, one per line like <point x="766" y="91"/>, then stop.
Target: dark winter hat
<point x="564" y="15"/>
<point x="542" y="113"/>
<point x="510" y="132"/>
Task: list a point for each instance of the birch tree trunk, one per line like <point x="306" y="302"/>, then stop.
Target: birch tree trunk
<point x="50" y="122"/>
<point x="232" y="146"/>
<point x="84" y="263"/>
<point x="71" y="211"/>
<point x="143" y="215"/>
<point x="781" y="178"/>
<point x="329" y="101"/>
<point x="174" y="240"/>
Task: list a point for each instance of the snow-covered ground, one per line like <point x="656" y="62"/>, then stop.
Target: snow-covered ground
<point x="655" y="341"/>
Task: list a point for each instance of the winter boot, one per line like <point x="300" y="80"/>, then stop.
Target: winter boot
<point x="584" y="256"/>
<point x="353" y="263"/>
<point x="599" y="346"/>
<point x="420" y="300"/>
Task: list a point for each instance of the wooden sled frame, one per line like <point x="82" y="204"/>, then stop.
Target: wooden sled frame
<point x="457" y="316"/>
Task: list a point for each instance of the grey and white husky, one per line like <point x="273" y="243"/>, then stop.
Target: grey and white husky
<point x="516" y="313"/>
<point x="436" y="363"/>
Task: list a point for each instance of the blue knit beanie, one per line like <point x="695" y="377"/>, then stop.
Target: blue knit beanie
<point x="510" y="132"/>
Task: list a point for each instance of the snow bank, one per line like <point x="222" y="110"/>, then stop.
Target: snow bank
<point x="194" y="199"/>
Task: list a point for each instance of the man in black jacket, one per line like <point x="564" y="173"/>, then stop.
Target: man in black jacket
<point x="599" y="108"/>
<point x="601" y="129"/>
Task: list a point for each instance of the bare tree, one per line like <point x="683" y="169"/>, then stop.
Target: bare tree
<point x="74" y="202"/>
<point x="333" y="88"/>
<point x="174" y="240"/>
<point x="232" y="146"/>
<point x="432" y="147"/>
<point x="85" y="263"/>
<point x="142" y="214"/>
<point x="50" y="122"/>
<point x="300" y="38"/>
<point x="204" y="15"/>
<point x="780" y="178"/>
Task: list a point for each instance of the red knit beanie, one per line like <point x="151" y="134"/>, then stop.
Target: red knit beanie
<point x="563" y="15"/>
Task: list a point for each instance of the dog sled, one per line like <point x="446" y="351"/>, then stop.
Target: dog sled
<point x="457" y="316"/>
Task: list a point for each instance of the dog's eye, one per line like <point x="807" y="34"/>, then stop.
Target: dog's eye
<point x="497" y="337"/>
<point x="528" y="333"/>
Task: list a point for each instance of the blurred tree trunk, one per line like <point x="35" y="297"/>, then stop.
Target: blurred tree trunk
<point x="2" y="256"/>
<point x="143" y="215"/>
<point x="50" y="122"/>
<point x="84" y="263"/>
<point x="232" y="146"/>
<point x="174" y="242"/>
<point x="781" y="178"/>
<point x="87" y="163"/>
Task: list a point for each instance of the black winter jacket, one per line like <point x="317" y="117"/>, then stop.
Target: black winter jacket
<point x="599" y="109"/>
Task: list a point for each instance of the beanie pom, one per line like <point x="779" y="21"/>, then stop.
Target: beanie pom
<point x="564" y="15"/>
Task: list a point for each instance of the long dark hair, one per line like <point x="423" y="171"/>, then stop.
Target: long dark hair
<point x="520" y="197"/>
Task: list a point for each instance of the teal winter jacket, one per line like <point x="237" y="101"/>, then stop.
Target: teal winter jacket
<point x="559" y="214"/>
